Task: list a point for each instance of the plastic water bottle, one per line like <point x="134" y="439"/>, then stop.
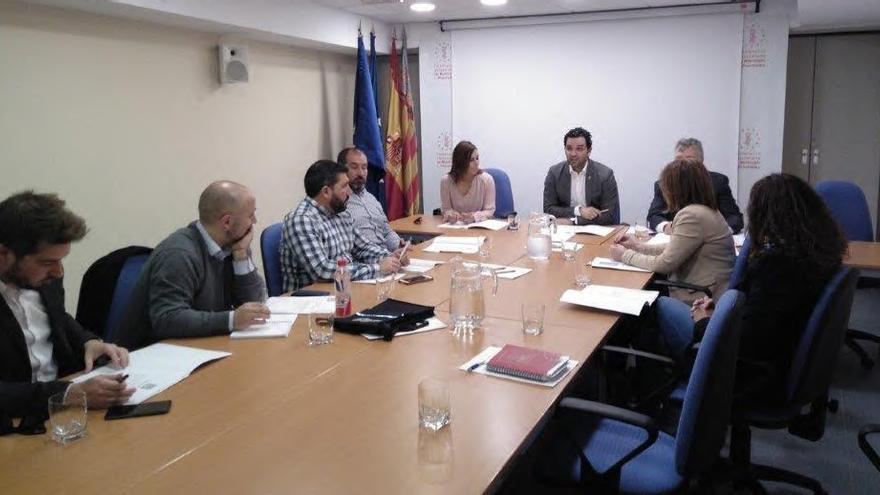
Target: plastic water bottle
<point x="342" y="284"/>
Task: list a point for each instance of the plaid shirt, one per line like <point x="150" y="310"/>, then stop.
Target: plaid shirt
<point x="312" y="240"/>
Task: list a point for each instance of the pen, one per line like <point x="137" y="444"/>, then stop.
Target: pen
<point x="124" y="377"/>
<point x="475" y="366"/>
<point x="403" y="251"/>
<point x="501" y="272"/>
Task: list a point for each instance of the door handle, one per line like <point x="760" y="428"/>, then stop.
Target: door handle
<point x="805" y="156"/>
<point x="816" y="156"/>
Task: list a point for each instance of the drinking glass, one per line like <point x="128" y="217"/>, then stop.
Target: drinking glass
<point x="68" y="416"/>
<point x="384" y="287"/>
<point x="583" y="274"/>
<point x="640" y="232"/>
<point x="512" y="222"/>
<point x="485" y="249"/>
<point x="532" y="318"/>
<point x="568" y="250"/>
<point x="434" y="410"/>
<point x="321" y="327"/>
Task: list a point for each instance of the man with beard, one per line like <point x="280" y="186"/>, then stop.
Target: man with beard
<point x="580" y="187"/>
<point x="39" y="341"/>
<point x="319" y="232"/>
<point x="200" y="280"/>
<point x="366" y="212"/>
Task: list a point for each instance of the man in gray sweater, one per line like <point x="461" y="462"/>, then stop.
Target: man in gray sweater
<point x="200" y="280"/>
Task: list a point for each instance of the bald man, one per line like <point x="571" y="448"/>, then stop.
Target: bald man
<point x="200" y="280"/>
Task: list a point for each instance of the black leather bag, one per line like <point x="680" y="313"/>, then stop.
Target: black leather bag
<point x="386" y="319"/>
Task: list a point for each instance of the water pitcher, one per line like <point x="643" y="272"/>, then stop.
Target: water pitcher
<point x="541" y="226"/>
<point x="467" y="305"/>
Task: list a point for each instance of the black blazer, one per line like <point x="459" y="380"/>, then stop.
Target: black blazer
<point x="657" y="213"/>
<point x="19" y="398"/>
<point x="601" y="193"/>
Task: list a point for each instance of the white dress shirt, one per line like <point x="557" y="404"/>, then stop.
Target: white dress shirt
<point x="239" y="267"/>
<point x="28" y="309"/>
<point x="578" y="189"/>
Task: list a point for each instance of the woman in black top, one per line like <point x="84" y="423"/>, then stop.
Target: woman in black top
<point x="796" y="247"/>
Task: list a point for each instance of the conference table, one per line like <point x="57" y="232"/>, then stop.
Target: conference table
<point x="280" y="416"/>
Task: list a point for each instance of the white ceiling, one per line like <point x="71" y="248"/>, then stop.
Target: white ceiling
<point x="812" y="15"/>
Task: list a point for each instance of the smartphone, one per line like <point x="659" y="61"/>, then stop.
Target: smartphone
<point x="416" y="279"/>
<point x="133" y="411"/>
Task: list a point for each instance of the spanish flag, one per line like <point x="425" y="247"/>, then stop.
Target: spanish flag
<point x="401" y="145"/>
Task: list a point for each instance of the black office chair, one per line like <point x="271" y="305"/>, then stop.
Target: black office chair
<point x="866" y="447"/>
<point x="806" y="388"/>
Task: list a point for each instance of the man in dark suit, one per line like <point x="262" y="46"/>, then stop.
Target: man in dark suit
<point x="39" y="341"/>
<point x="580" y="187"/>
<point x="660" y="219"/>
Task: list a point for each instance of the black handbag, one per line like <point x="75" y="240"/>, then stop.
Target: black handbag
<point x="386" y="319"/>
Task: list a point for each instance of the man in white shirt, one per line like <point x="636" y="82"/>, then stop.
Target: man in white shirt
<point x="366" y="213"/>
<point x="39" y="341"/>
<point x="580" y="187"/>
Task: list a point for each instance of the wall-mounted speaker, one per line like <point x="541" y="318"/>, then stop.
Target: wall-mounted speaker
<point x="233" y="64"/>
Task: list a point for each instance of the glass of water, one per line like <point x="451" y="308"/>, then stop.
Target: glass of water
<point x="512" y="222"/>
<point x="434" y="410"/>
<point x="321" y="327"/>
<point x="568" y="250"/>
<point x="583" y="274"/>
<point x="68" y="416"/>
<point x="384" y="287"/>
<point x="640" y="232"/>
<point x="485" y="249"/>
<point x="532" y="318"/>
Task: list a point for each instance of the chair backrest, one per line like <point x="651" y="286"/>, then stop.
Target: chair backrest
<point x="97" y="290"/>
<point x="270" y="243"/>
<point x="816" y="354"/>
<point x="125" y="282"/>
<point x="849" y="207"/>
<point x="702" y="426"/>
<point x="739" y="266"/>
<point x="503" y="192"/>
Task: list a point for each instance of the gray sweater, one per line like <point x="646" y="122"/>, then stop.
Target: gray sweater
<point x="183" y="291"/>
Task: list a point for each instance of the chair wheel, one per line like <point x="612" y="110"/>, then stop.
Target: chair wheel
<point x="833" y="405"/>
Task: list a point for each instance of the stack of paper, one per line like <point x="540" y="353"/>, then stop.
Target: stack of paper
<point x="301" y="305"/>
<point x="599" y="262"/>
<point x="618" y="299"/>
<point x="490" y="224"/>
<point x="449" y="244"/>
<point x="477" y="364"/>
<point x="421" y="266"/>
<point x="155" y="368"/>
<point x="586" y="229"/>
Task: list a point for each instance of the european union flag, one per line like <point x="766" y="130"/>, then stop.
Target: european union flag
<point x="366" y="122"/>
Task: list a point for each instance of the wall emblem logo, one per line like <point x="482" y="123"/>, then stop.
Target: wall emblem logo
<point x="443" y="61"/>
<point x="754" y="45"/>
<point x="444" y="150"/>
<point x="749" y="148"/>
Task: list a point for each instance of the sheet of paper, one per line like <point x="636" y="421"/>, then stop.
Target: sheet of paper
<point x="433" y="324"/>
<point x="659" y="238"/>
<point x="421" y="266"/>
<point x="157" y="367"/>
<point x="561" y="236"/>
<point x="739" y="239"/>
<point x="267" y="330"/>
<point x="631" y="230"/>
<point x="372" y="281"/>
<point x="490" y="224"/>
<point x="558" y="247"/>
<point x="489" y="352"/>
<point x="448" y="244"/>
<point x="586" y="229"/>
<point x="300" y="305"/>
<point x="507" y="272"/>
<point x="618" y="299"/>
<point x="599" y="262"/>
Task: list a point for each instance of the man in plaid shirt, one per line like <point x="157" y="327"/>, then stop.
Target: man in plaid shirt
<point x="319" y="232"/>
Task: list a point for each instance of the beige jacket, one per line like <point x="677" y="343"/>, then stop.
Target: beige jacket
<point x="699" y="252"/>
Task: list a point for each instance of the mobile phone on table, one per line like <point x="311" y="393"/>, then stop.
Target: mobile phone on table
<point x="416" y="279"/>
<point x="136" y="410"/>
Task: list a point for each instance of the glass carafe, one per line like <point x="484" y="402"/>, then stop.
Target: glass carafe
<point x="539" y="242"/>
<point x="467" y="305"/>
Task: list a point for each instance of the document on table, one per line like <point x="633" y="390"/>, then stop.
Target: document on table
<point x="450" y="244"/>
<point x="557" y="247"/>
<point x="300" y="305"/>
<point x="739" y="240"/>
<point x="433" y="324"/>
<point x="561" y="236"/>
<point x="155" y="368"/>
<point x="397" y="276"/>
<point x="618" y="299"/>
<point x="490" y="224"/>
<point x="599" y="262"/>
<point x="507" y="272"/>
<point x="488" y="353"/>
<point x="421" y="266"/>
<point x="659" y="238"/>
<point x="278" y="328"/>
<point x="586" y="229"/>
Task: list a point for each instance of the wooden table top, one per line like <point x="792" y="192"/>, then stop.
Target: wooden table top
<point x="279" y="416"/>
<point x="863" y="255"/>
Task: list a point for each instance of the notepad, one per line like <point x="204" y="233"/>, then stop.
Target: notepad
<point x="490" y="224"/>
<point x="599" y="262"/>
<point x="450" y="244"/>
<point x="523" y="362"/>
<point x="617" y="299"/>
<point x="586" y="229"/>
<point x="477" y="364"/>
<point x="301" y="305"/>
<point x="267" y="330"/>
<point x="421" y="266"/>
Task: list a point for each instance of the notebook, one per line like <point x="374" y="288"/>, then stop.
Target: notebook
<point x="531" y="364"/>
<point x="490" y="224"/>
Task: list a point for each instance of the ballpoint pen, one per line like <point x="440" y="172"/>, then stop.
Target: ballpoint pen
<point x="475" y="366"/>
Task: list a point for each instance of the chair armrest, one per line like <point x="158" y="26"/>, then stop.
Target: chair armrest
<point x="866" y="447"/>
<point x="684" y="285"/>
<point x="640" y="354"/>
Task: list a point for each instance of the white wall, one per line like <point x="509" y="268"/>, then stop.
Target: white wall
<point x="127" y="122"/>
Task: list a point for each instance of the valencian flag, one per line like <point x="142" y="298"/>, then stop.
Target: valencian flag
<point x="401" y="145"/>
<point x="366" y="123"/>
